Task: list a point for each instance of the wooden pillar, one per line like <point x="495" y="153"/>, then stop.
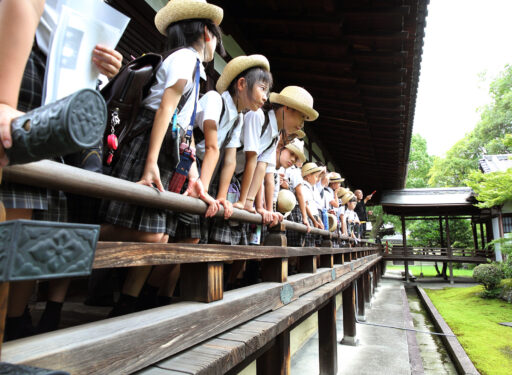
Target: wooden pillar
<point x="275" y="269"/>
<point x="482" y="238"/>
<point x="449" y="249"/>
<point x="360" y="285"/>
<point x="404" y="244"/>
<point x="327" y="342"/>
<point x="475" y="237"/>
<point x="276" y="360"/>
<point x="349" y="316"/>
<point x="441" y="230"/>
<point x="202" y="282"/>
<point x="375" y="278"/>
<point x="500" y="224"/>
<point x="367" y="287"/>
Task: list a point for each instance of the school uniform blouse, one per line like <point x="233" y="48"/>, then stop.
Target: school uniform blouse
<point x="311" y="197"/>
<point x="328" y="197"/>
<point x="211" y="109"/>
<point x="253" y="140"/>
<point x="47" y="25"/>
<point x="294" y="176"/>
<point x="179" y="65"/>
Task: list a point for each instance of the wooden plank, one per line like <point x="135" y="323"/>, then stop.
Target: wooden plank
<point x="214" y="356"/>
<point x="125" y="254"/>
<point x="202" y="282"/>
<point x="113" y="345"/>
<point x="276" y="360"/>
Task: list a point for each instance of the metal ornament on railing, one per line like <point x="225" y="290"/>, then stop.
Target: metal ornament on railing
<point x="60" y="128"/>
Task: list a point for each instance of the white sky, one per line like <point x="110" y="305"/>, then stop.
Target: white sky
<point x="462" y="39"/>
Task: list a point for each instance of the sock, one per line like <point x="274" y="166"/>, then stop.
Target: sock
<point x="18" y="327"/>
<point x="125" y="305"/>
<point x="51" y="317"/>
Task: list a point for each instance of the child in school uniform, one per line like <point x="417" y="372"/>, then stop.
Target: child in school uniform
<point x="22" y="73"/>
<point x="310" y="174"/>
<point x="191" y="27"/>
<point x="351" y="218"/>
<point x="243" y="85"/>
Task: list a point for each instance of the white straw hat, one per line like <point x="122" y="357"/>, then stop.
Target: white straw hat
<point x="309" y="168"/>
<point x="333" y="222"/>
<point x="347" y="197"/>
<point x="335" y="177"/>
<point x="238" y="65"/>
<point x="179" y="10"/>
<point x="297" y="147"/>
<point x="342" y="191"/>
<point x="286" y="201"/>
<point x="297" y="98"/>
<point x="300" y="134"/>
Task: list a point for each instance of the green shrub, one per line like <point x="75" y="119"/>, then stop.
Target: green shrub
<point x="506" y="267"/>
<point x="489" y="275"/>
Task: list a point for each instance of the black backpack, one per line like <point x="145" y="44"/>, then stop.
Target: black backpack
<point x="124" y="94"/>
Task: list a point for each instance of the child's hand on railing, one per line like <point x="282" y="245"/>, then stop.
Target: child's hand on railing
<point x="266" y="215"/>
<point x="228" y="207"/>
<point x="277" y="217"/>
<point x="151" y="176"/>
<point x="7" y="114"/>
<point x="306" y="223"/>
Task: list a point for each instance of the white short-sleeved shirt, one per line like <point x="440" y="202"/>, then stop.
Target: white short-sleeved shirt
<point x="47" y="25"/>
<point x="341" y="210"/>
<point x="328" y="197"/>
<point x="307" y="193"/>
<point x="319" y="202"/>
<point x="211" y="109"/>
<point x="254" y="141"/>
<point x="351" y="216"/>
<point x="179" y="65"/>
<point x="294" y="176"/>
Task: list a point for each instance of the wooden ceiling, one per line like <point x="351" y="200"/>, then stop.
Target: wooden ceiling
<point x="360" y="59"/>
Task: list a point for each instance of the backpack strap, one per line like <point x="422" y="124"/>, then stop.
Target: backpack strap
<point x="198" y="133"/>
<point x="263" y="129"/>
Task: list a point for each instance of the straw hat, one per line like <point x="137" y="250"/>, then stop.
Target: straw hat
<point x="333" y="222"/>
<point x="286" y="201"/>
<point x="309" y="168"/>
<point x="300" y="134"/>
<point x="297" y="147"/>
<point x="342" y="191"/>
<point x="179" y="10"/>
<point x="347" y="197"/>
<point x="238" y="65"/>
<point x="335" y="177"/>
<point x="296" y="98"/>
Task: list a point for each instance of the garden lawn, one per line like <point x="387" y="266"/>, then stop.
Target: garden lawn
<point x="475" y="322"/>
<point x="430" y="271"/>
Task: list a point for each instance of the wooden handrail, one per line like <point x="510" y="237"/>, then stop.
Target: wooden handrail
<point x="53" y="175"/>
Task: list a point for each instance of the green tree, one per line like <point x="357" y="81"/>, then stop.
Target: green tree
<point x="488" y="137"/>
<point x="419" y="164"/>
<point x="491" y="189"/>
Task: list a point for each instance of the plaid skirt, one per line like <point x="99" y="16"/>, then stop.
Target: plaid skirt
<point x="47" y="204"/>
<point x="310" y="239"/>
<point x="130" y="167"/>
<point x="293" y="237"/>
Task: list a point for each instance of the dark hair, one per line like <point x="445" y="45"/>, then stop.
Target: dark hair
<point x="252" y="76"/>
<point x="353" y="199"/>
<point x="187" y="32"/>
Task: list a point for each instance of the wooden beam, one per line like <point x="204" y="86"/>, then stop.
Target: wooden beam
<point x="327" y="342"/>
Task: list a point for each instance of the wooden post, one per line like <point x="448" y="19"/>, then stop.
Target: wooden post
<point x="202" y="282"/>
<point x="349" y="316"/>
<point x="404" y="244"/>
<point x="4" y="297"/>
<point x="441" y="230"/>
<point x="449" y="249"/>
<point x="276" y="360"/>
<point x="367" y="287"/>
<point x="375" y="279"/>
<point x="475" y="237"/>
<point x="361" y="314"/>
<point x="276" y="269"/>
<point x="482" y="238"/>
<point x="327" y="342"/>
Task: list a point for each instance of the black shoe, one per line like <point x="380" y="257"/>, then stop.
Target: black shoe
<point x="19" y="327"/>
<point x="126" y="305"/>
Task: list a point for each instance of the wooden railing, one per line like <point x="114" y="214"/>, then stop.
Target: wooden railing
<point x="137" y="341"/>
<point x="440" y="254"/>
